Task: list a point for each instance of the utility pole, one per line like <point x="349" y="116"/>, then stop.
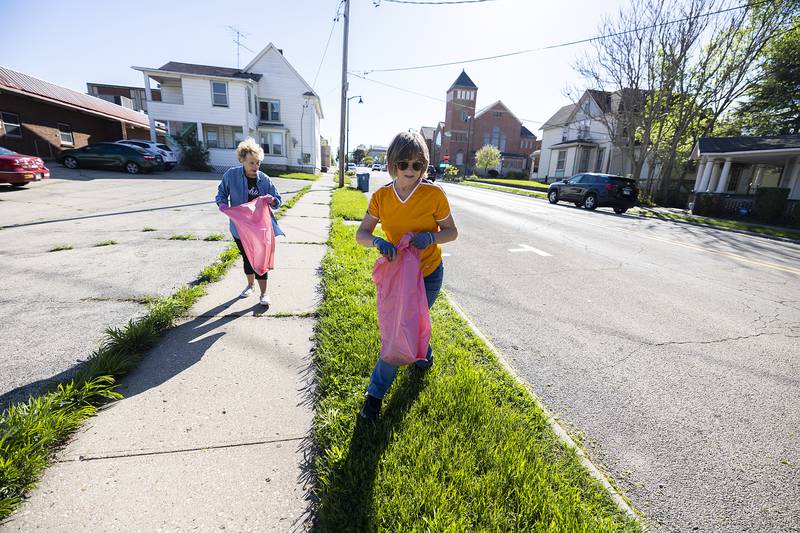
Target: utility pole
<point x="342" y="162"/>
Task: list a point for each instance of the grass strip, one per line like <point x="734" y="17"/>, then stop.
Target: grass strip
<point x="525" y="184"/>
<point x="512" y="190"/>
<point x="348" y="203"/>
<point x="215" y="237"/>
<point x="106" y="243"/>
<point x="148" y="228"/>
<point x="31" y="432"/>
<point x="718" y="223"/>
<point x="60" y="248"/>
<point x="300" y="176"/>
<point x="183" y="237"/>
<point x="462" y="447"/>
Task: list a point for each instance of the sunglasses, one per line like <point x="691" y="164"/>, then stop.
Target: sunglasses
<point x="416" y="165"/>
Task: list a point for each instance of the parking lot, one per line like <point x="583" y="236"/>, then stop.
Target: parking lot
<point x="84" y="250"/>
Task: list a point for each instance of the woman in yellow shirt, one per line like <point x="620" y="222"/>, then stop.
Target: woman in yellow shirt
<point x="409" y="203"/>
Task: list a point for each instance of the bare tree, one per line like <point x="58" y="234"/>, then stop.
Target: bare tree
<point x="672" y="67"/>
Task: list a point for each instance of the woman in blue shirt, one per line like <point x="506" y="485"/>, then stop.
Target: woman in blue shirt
<point x="243" y="184"/>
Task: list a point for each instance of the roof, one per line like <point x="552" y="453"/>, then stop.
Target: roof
<point x="463" y="81"/>
<point x="24" y="84"/>
<point x="603" y="99"/>
<point x="525" y="132"/>
<point x="721" y="145"/>
<point x="208" y="70"/>
<point x="427" y="131"/>
<point x="495" y="104"/>
<point x="560" y="118"/>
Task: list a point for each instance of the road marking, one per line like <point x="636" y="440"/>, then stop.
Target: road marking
<point x="526" y="248"/>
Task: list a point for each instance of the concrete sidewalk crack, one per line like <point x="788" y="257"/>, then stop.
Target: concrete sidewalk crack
<point x="180" y="450"/>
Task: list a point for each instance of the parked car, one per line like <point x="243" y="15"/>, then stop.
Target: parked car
<point x="432" y="175"/>
<point x="19" y="170"/>
<point x="166" y="153"/>
<point x="383" y="168"/>
<point x="592" y="190"/>
<point x="351" y="166"/>
<point x="112" y="155"/>
<point x="376" y="167"/>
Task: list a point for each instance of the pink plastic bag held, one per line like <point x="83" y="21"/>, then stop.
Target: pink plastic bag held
<point x="403" y="317"/>
<point x="254" y="225"/>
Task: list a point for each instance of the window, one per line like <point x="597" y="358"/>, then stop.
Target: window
<point x="272" y="142"/>
<point x="485" y="139"/>
<point x="219" y="136"/>
<point x="65" y="133"/>
<point x="11" y="125"/>
<point x="564" y="133"/>
<point x="496" y="136"/>
<point x="601" y="155"/>
<point x="249" y="102"/>
<point x="498" y="114"/>
<point x="561" y="163"/>
<point x="219" y="93"/>
<point x="270" y="111"/>
<point x="502" y="142"/>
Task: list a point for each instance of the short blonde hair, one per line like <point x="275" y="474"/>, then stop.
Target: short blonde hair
<point x="407" y="146"/>
<point x="249" y="147"/>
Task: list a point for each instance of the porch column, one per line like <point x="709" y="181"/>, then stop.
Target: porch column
<point x="706" y="176"/>
<point x="793" y="183"/>
<point x="712" y="184"/>
<point x="723" y="178"/>
<point x="789" y="170"/>
<point x="149" y="95"/>
<point x="700" y="168"/>
<point x="200" y="137"/>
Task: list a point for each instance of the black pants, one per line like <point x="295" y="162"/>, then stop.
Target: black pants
<point x="248" y="268"/>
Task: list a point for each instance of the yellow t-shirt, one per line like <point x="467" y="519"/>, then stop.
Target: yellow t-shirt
<point x="424" y="208"/>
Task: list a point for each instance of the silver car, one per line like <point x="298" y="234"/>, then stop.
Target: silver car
<point x="163" y="150"/>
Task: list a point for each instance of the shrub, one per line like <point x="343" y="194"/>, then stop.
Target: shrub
<point x="517" y="175"/>
<point x="770" y="203"/>
<point x="196" y="158"/>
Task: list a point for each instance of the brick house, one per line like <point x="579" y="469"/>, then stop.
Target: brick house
<point x="464" y="131"/>
<point x="40" y="118"/>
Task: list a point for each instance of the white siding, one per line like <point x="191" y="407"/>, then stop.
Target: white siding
<point x="550" y="136"/>
<point x="197" y="105"/>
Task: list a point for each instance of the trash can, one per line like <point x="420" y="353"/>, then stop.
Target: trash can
<point x="363" y="181"/>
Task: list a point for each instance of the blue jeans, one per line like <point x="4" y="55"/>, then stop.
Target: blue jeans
<point x="383" y="374"/>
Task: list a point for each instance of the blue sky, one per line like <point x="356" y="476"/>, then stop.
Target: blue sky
<point x="71" y="43"/>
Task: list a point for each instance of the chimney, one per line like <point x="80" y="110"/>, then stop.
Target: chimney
<point x="280" y="50"/>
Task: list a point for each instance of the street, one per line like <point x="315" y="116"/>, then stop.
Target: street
<point x="671" y="349"/>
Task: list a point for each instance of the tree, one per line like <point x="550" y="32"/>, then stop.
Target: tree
<point x="358" y="155"/>
<point x="670" y="69"/>
<point x="368" y="160"/>
<point x="773" y="102"/>
<point x="487" y="156"/>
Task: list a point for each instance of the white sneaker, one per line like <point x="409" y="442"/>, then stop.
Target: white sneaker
<point x="246" y="292"/>
<point x="265" y="300"/>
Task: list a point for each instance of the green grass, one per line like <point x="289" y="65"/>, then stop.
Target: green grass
<point x="719" y="223"/>
<point x="215" y="237"/>
<point x="183" y="237"/>
<point x="462" y="447"/>
<point x="31" y="432"/>
<point x="60" y="247"/>
<point x="521" y="183"/>
<point x="148" y="228"/>
<point x="520" y="192"/>
<point x="300" y="176"/>
<point x="348" y="203"/>
<point x="106" y="243"/>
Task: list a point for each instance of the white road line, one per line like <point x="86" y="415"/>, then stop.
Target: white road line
<point x="526" y="248"/>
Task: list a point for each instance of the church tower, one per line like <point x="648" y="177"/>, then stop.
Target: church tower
<point x="459" y="118"/>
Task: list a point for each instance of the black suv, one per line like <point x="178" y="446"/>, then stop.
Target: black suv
<point x="592" y="190"/>
<point x="432" y="173"/>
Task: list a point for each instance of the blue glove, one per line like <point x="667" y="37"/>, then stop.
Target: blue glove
<point x="422" y="240"/>
<point x="386" y="248"/>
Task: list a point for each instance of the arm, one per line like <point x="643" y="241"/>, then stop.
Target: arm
<point x="273" y="191"/>
<point x="222" y="191"/>
<point x="364" y="235"/>
<point x="447" y="231"/>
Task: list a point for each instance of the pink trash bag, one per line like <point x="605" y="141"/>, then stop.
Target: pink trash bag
<point x="403" y="317"/>
<point x="254" y="225"/>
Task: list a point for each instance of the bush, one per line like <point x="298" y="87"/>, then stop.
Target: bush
<point x="517" y="175"/>
<point x="706" y="204"/>
<point x="770" y="204"/>
<point x="196" y="158"/>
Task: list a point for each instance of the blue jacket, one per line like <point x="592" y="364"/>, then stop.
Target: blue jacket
<point x="232" y="191"/>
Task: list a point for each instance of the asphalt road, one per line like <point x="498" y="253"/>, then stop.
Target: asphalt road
<point x="670" y="349"/>
<point x="56" y="305"/>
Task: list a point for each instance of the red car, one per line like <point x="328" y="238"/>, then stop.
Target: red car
<point x="20" y="170"/>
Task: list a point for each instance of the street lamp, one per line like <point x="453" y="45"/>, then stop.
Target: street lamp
<point x="347" y="146"/>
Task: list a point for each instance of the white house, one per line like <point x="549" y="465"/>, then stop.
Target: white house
<point x="575" y="140"/>
<point x="219" y="106"/>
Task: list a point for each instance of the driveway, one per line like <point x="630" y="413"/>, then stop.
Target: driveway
<point x="56" y="305"/>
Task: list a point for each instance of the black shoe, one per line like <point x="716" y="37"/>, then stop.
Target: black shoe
<point x="424" y="364"/>
<point x="371" y="408"/>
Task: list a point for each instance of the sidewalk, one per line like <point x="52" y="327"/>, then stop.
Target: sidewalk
<point x="214" y="431"/>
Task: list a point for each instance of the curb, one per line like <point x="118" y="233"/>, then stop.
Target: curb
<point x="711" y="226"/>
<point x="551" y="420"/>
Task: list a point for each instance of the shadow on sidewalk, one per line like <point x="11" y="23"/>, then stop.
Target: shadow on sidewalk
<point x="348" y="499"/>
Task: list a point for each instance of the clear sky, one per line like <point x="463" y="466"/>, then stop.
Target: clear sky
<point x="72" y="43"/>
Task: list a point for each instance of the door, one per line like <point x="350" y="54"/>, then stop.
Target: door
<point x="569" y="191"/>
<point x="89" y="156"/>
<point x="111" y="155"/>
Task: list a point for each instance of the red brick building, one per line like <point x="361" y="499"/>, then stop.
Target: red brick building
<point x="464" y="130"/>
<point x="40" y="118"/>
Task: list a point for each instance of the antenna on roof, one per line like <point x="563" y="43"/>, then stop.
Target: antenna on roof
<point x="238" y="40"/>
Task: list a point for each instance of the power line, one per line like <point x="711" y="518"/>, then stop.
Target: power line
<point x="321" y="61"/>
<point x="562" y="45"/>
